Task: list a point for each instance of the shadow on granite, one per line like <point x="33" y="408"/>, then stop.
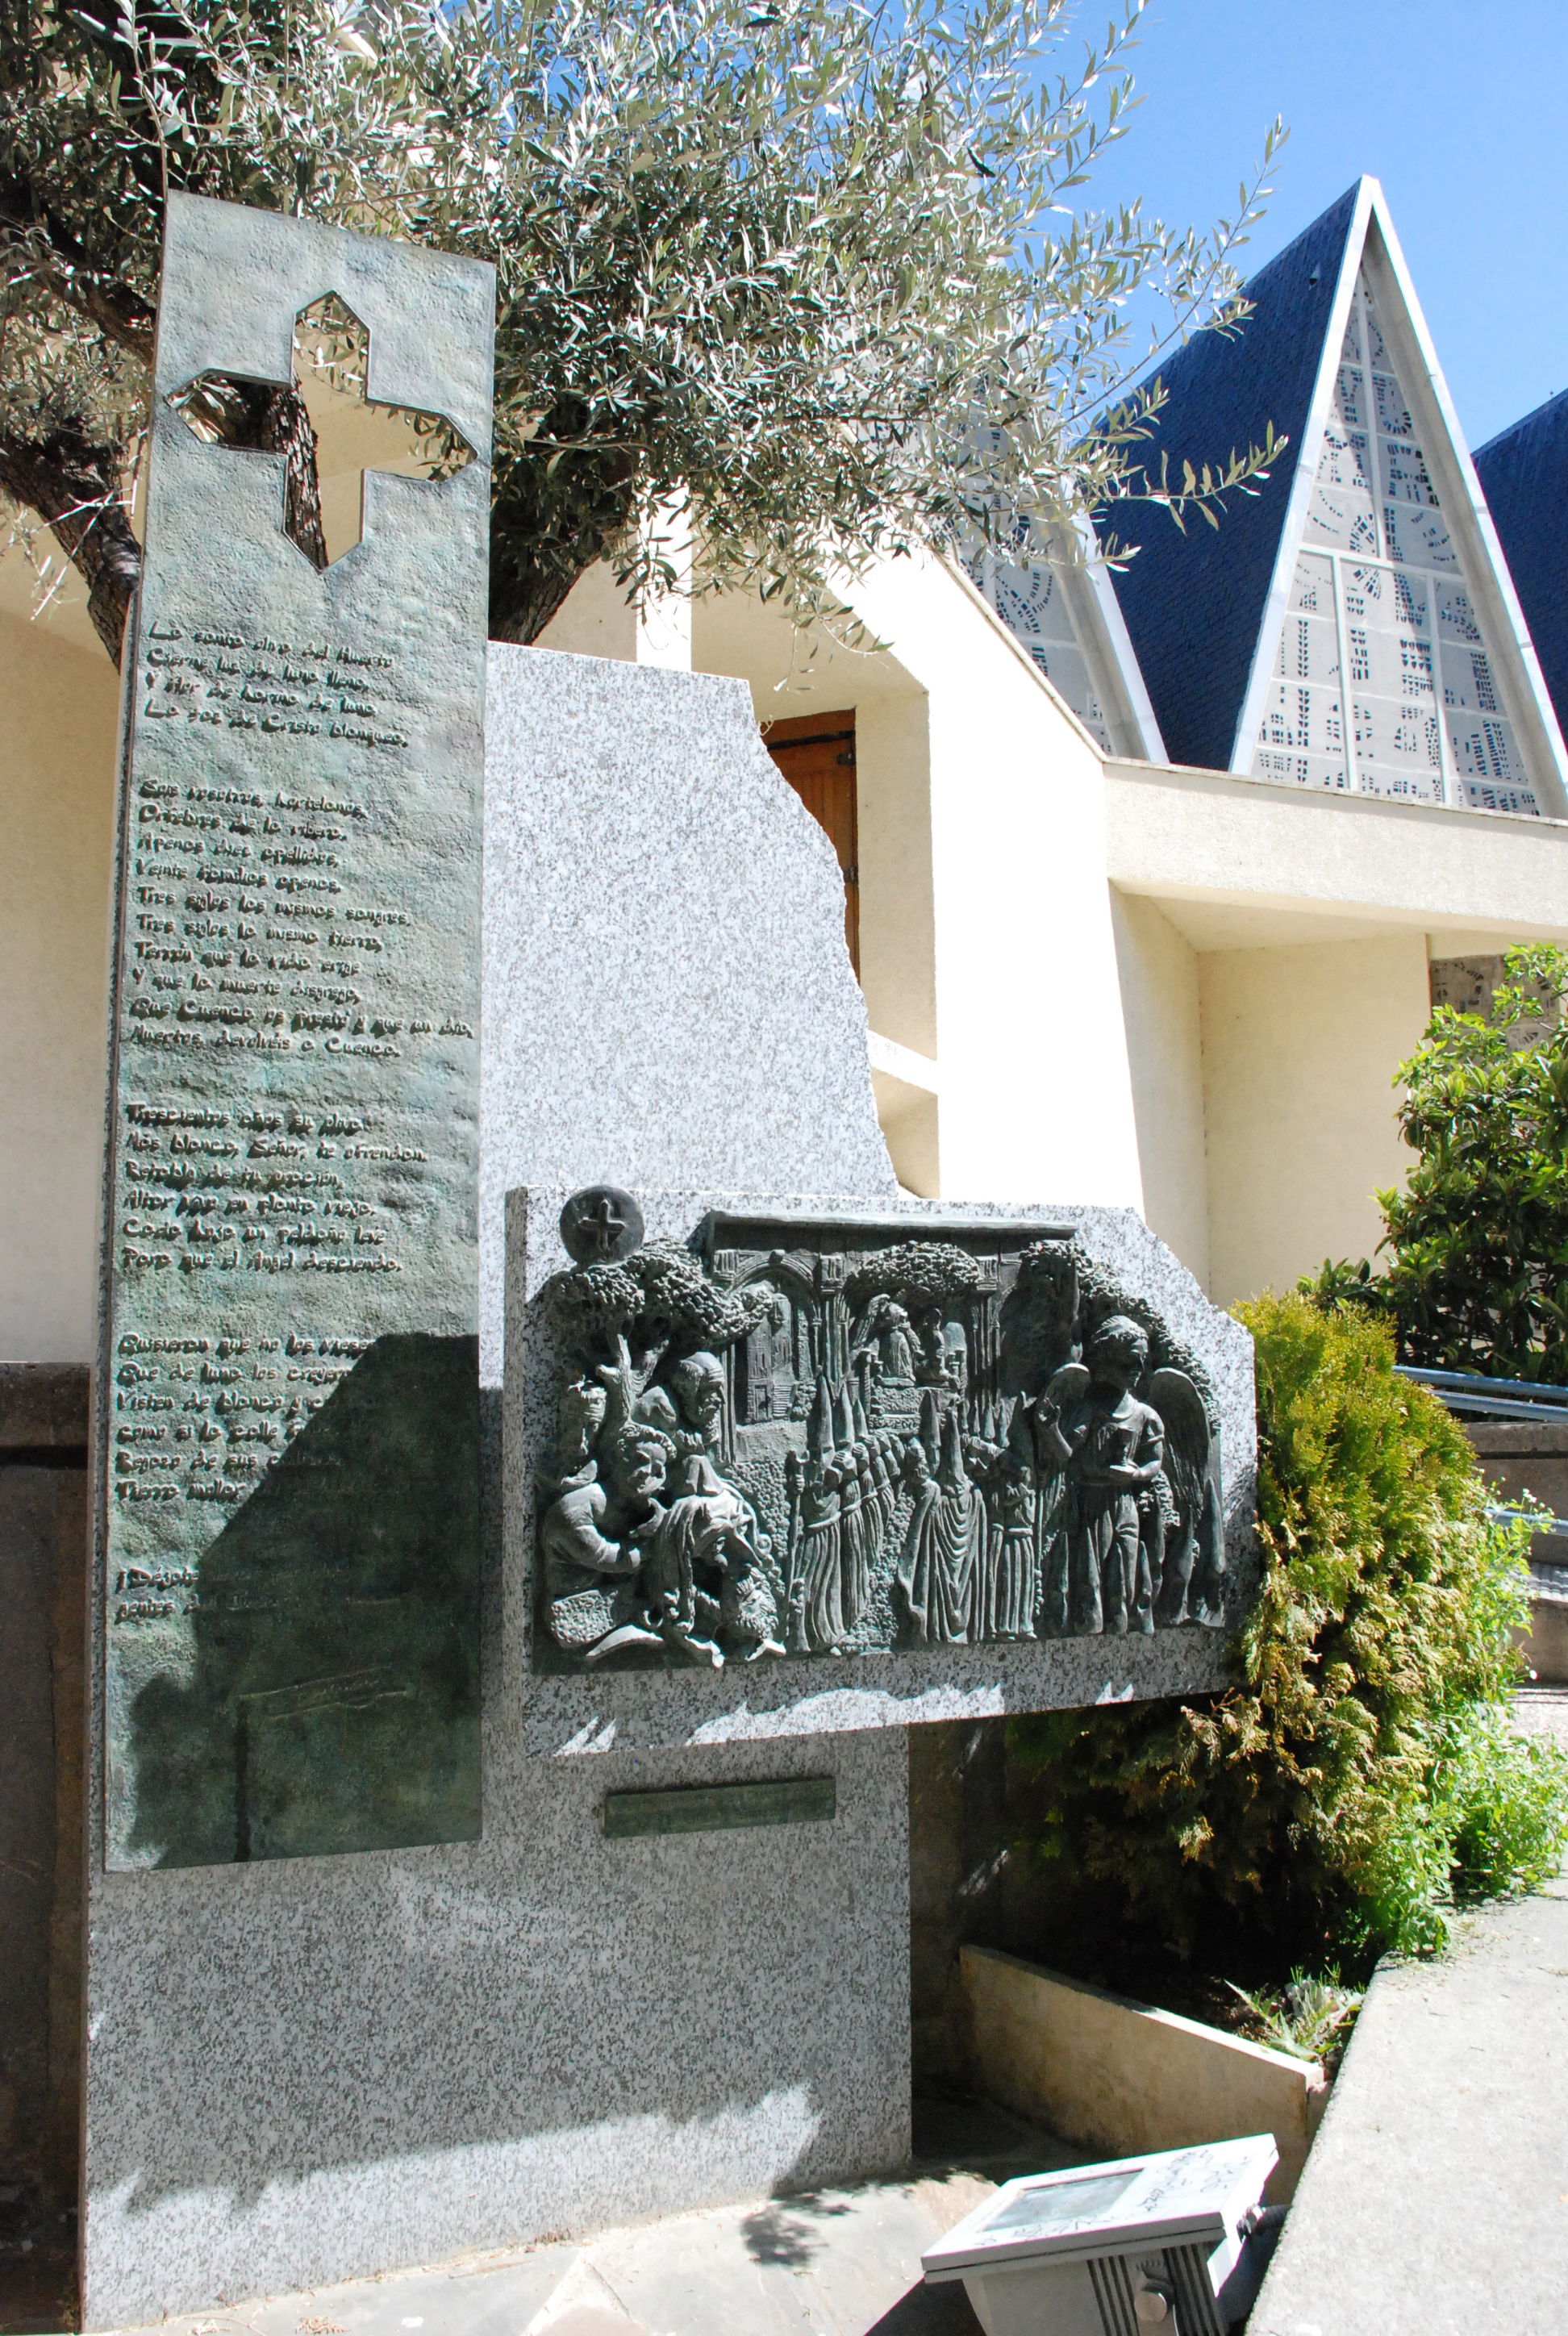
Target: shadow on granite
<point x="335" y="1701"/>
<point x="844" y="2262"/>
<point x="954" y="2135"/>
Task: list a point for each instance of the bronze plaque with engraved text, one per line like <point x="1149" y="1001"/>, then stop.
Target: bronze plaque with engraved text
<point x="288" y="1425"/>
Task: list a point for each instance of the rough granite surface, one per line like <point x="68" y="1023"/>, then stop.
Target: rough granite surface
<point x="667" y="996"/>
<point x="825" y="1694"/>
<point x="305" y="2072"/>
<point x="310" y="2071"/>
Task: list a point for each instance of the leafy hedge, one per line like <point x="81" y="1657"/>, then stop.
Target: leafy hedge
<point x="1478" y="1240"/>
<point x="1359" y="1778"/>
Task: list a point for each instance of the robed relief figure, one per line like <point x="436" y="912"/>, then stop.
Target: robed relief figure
<point x="705" y="1575"/>
<point x="1110" y="1446"/>
<point x="645" y="1545"/>
<point x="593" y="1534"/>
<point x="937" y="1574"/>
<point x="1008" y="1572"/>
<point x="826" y="1616"/>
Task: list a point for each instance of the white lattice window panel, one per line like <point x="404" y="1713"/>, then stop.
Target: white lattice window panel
<point x="1029" y="594"/>
<point x="1378" y="617"/>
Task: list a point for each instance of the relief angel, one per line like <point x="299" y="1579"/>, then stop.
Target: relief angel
<point x="1109" y="1445"/>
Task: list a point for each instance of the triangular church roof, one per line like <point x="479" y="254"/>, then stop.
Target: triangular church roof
<point x="1368" y="556"/>
<point x="1523" y="472"/>
<point x="1194" y="602"/>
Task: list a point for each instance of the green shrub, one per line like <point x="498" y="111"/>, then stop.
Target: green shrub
<point x="1310" y="2019"/>
<point x="1501" y="1806"/>
<point x="1359" y="1775"/>
<point x="1478" y="1240"/>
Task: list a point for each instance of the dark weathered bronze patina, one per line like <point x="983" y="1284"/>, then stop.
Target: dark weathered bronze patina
<point x="799" y="1438"/>
<point x="290" y="1440"/>
<point x="721" y="1808"/>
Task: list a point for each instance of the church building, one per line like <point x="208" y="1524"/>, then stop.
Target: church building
<point x="1523" y="474"/>
<point x="1150" y="870"/>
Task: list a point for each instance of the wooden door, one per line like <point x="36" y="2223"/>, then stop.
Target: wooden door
<point x="817" y="754"/>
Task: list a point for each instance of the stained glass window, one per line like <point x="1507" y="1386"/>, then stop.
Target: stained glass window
<point x="1378" y="615"/>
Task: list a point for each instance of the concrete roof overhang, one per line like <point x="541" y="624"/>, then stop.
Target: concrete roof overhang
<point x="1238" y="863"/>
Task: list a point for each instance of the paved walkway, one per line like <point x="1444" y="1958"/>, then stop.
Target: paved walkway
<point x="836" y="2262"/>
<point x="1435" y="2202"/>
<point x="1543" y="1711"/>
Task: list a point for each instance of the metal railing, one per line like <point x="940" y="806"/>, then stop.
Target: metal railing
<point x="1469" y="1395"/>
<point x="1542" y="1527"/>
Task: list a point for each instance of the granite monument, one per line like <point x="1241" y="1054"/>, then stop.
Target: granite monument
<point x="760" y="1462"/>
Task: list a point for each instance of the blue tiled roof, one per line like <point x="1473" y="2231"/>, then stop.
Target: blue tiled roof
<point x="1524" y="477"/>
<point x="1193" y="602"/>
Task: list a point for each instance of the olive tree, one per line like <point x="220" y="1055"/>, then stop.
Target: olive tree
<point x="814" y="271"/>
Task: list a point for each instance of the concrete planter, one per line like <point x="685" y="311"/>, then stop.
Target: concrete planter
<point x="1118" y="2076"/>
<point x="1528" y="1459"/>
<point x="1545" y="1643"/>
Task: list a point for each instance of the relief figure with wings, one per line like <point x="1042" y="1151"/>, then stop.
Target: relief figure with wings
<point x="1110" y="1445"/>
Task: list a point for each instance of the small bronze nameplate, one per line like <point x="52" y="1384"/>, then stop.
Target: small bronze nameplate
<point x="714" y="1808"/>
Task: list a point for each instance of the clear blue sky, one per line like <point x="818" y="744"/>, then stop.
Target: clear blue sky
<point x="1460" y="107"/>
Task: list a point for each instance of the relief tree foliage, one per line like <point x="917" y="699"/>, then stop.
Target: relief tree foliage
<point x="808" y="270"/>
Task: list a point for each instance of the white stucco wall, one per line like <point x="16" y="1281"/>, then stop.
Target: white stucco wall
<point x="1300" y="1046"/>
<point x="1160" y="1000"/>
<point x="1036" y="1098"/>
<point x="1311" y="918"/>
<point x="56" y="820"/>
<point x="986" y="939"/>
<point x="595" y="619"/>
<point x="1204" y="836"/>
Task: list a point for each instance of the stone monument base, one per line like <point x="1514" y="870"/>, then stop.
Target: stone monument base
<point x="313" y="2068"/>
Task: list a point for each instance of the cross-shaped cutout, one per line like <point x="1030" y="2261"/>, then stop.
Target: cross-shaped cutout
<point x="601" y="1229"/>
<point x="349" y="431"/>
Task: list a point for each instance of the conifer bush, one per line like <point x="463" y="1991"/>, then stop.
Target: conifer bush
<point x="1359" y="1778"/>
